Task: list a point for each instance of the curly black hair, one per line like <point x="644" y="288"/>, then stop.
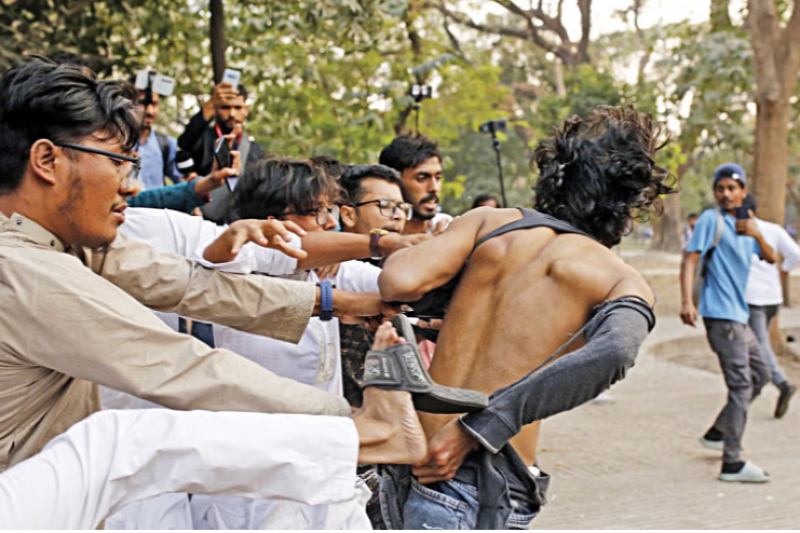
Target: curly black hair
<point x="599" y="173"/>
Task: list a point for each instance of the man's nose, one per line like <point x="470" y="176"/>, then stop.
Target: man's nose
<point x="128" y="188"/>
<point x="331" y="223"/>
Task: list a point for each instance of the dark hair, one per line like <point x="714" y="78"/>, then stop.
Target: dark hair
<point x="63" y="103"/>
<point x="482" y="198"/>
<point x="353" y="176"/>
<point x="406" y="152"/>
<point x="242" y="90"/>
<point x="598" y="173"/>
<point x="332" y="166"/>
<point x="692" y="215"/>
<point x="272" y="185"/>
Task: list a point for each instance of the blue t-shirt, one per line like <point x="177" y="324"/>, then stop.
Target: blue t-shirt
<point x="152" y="173"/>
<point x="723" y="290"/>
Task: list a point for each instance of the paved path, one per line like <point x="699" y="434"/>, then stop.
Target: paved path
<point x="636" y="463"/>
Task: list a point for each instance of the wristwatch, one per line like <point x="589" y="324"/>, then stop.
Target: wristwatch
<point x="374" y="238"/>
<point x="325" y="300"/>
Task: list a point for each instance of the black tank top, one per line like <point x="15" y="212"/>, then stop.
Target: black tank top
<point x="435" y="302"/>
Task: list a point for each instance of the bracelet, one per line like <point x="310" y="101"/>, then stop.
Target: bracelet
<point x="325" y="300"/>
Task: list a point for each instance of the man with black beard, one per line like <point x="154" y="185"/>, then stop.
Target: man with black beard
<point x="223" y="114"/>
<point x="419" y="163"/>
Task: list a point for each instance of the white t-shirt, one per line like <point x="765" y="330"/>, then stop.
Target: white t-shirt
<point x="316" y="360"/>
<point x="764" y="281"/>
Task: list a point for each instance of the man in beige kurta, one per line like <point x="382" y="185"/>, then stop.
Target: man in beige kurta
<point x="73" y="292"/>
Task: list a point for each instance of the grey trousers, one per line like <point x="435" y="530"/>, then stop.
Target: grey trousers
<point x="745" y="373"/>
<point x="760" y="318"/>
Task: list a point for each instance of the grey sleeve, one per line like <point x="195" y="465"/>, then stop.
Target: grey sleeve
<point x="613" y="337"/>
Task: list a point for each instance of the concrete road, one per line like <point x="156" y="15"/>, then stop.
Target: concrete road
<point x="636" y="463"/>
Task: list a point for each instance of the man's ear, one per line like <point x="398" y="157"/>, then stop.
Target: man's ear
<point x="246" y="112"/>
<point x="45" y="160"/>
<point x="348" y="216"/>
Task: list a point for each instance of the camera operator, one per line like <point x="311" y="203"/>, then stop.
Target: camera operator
<point x="156" y="150"/>
<point x="223" y="114"/>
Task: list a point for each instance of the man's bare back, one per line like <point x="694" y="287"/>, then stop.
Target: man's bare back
<point x="522" y="295"/>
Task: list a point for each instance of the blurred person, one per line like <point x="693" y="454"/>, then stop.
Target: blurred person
<point x="549" y="277"/>
<point x="65" y="149"/>
<point x="419" y="163"/>
<point x="488" y="200"/>
<point x="764" y="294"/>
<point x="725" y="313"/>
<point x="116" y="459"/>
<point x="688" y="231"/>
<point x="156" y="150"/>
<point x="224" y="113"/>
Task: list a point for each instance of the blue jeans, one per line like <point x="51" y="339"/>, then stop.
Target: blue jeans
<point x="454" y="505"/>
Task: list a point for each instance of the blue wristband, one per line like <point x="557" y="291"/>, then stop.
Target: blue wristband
<point x="326" y="300"/>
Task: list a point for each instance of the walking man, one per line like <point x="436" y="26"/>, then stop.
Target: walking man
<point x="725" y="313"/>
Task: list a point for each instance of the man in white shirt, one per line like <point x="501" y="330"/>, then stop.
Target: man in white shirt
<point x="298" y="192"/>
<point x="765" y="293"/>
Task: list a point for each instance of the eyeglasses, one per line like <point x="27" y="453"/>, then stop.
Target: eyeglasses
<point x="388" y="208"/>
<point x="320" y="213"/>
<point x="130" y="179"/>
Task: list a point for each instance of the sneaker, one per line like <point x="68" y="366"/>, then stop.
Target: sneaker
<point x="716" y="445"/>
<point x="787" y="390"/>
<point x="750" y="473"/>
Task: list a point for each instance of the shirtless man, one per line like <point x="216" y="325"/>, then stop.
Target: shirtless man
<point x="520" y="297"/>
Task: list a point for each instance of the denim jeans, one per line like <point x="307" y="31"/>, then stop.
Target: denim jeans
<point x="453" y="505"/>
<point x="760" y="319"/>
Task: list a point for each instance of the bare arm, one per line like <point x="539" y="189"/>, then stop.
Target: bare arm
<point x="410" y="273"/>
<point x="326" y="248"/>
<point x="688" y="266"/>
<point x="750" y="228"/>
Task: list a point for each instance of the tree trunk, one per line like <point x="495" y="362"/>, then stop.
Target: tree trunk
<point x="667" y="234"/>
<point x="771" y="158"/>
<point x="217" y="37"/>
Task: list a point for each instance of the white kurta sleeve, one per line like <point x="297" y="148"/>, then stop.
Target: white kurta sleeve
<point x="114" y="458"/>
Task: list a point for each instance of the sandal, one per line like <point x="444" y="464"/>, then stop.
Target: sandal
<point x="399" y="367"/>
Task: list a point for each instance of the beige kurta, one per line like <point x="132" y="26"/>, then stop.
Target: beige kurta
<point x="64" y="329"/>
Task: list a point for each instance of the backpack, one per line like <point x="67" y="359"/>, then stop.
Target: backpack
<point x="701" y="270"/>
<point x="163" y="143"/>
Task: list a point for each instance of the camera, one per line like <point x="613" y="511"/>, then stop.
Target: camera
<point x="492" y="126"/>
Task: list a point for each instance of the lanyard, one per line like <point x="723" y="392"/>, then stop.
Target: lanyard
<point x="235" y="142"/>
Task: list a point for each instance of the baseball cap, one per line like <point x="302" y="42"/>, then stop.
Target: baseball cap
<point x="730" y="170"/>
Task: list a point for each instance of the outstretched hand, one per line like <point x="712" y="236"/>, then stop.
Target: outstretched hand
<point x="447" y="450"/>
<point x="274" y="234"/>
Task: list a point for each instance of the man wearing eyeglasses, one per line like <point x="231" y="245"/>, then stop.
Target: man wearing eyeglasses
<point x="74" y="291"/>
<point x="299" y="192"/>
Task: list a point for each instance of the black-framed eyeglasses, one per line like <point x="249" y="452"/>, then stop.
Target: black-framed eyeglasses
<point x="136" y="164"/>
<point x="388" y="208"/>
<point x="320" y="213"/>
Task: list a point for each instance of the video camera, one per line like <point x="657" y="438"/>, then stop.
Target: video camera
<point x="492" y="126"/>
